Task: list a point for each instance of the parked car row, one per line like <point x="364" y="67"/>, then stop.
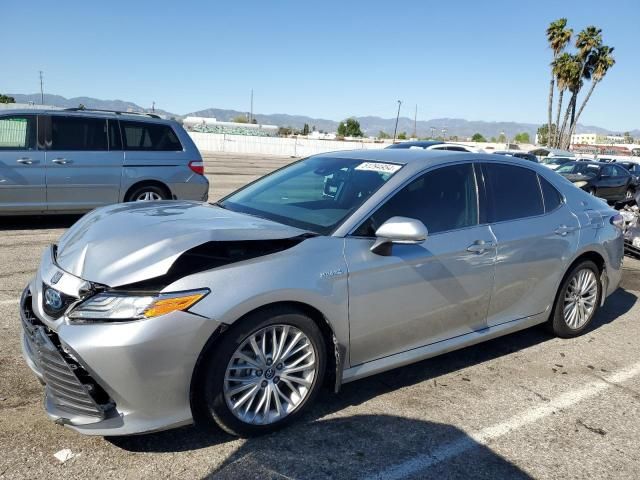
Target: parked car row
<point x="71" y="161"/>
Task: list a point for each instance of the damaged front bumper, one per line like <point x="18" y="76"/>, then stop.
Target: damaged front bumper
<point x="114" y="378"/>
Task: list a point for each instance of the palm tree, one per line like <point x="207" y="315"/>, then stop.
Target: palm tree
<point x="558" y="36"/>
<point x="600" y="61"/>
<point x="573" y="82"/>
<point x="587" y="41"/>
<point x="562" y="73"/>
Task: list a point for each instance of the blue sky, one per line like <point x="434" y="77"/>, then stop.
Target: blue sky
<point x="464" y="59"/>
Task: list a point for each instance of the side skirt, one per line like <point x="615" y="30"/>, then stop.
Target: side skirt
<point x="438" y="348"/>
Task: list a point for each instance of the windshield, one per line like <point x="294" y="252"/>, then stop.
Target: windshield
<point x="586" y="169"/>
<point x="555" y="161"/>
<point x="565" y="169"/>
<point x="315" y="194"/>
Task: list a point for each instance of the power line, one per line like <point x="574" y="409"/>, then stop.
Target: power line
<point x="395" y="130"/>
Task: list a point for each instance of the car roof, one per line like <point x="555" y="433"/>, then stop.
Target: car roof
<point x="86" y="113"/>
<point x="512" y="152"/>
<point x="416" y="156"/>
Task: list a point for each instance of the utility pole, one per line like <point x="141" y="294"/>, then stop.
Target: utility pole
<point x="41" y="89"/>
<point x="251" y="114"/>
<point x="415" y="122"/>
<point x="153" y="106"/>
<point x="395" y="130"/>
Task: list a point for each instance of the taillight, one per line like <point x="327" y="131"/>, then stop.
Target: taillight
<point x="197" y="167"/>
<point x="617" y="220"/>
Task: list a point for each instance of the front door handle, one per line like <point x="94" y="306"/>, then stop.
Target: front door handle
<point x="562" y="230"/>
<point x="61" y="161"/>
<point x="480" y="246"/>
<point x="25" y="161"/>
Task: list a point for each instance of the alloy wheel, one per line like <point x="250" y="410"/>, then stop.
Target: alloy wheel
<point x="580" y="298"/>
<point x="148" y="196"/>
<point x="270" y="374"/>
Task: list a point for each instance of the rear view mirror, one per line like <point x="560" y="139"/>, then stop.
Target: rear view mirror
<point x="401" y="230"/>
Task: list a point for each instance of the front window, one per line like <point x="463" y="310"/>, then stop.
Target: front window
<point x="444" y="199"/>
<point x="315" y="194"/>
<point x="18" y="132"/>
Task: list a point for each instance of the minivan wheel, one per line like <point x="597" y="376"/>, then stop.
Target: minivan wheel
<point x="577" y="301"/>
<point x="263" y="373"/>
<point x="147" y="193"/>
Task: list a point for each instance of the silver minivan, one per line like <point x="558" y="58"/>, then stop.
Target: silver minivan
<point x="74" y="160"/>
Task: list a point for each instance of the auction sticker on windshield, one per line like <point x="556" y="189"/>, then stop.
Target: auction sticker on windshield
<point x="379" y="167"/>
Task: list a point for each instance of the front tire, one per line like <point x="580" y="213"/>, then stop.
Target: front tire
<point x="262" y="374"/>
<point x="577" y="301"/>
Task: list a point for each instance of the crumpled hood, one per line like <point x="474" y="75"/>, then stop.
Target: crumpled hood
<point x="127" y="243"/>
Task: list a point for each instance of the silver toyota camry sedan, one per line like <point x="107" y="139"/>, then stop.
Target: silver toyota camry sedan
<point x="148" y="316"/>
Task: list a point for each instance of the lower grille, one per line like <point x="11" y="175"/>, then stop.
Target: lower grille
<point x="68" y="384"/>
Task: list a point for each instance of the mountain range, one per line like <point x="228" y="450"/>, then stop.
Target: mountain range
<point x="370" y="125"/>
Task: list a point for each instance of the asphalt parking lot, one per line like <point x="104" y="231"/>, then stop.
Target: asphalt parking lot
<point x="523" y="406"/>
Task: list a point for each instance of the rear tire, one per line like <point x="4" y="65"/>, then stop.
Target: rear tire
<point x="577" y="301"/>
<point x="280" y="395"/>
<point x="148" y="193"/>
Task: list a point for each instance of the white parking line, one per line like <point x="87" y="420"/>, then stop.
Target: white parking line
<point x="8" y="302"/>
<point x="482" y="437"/>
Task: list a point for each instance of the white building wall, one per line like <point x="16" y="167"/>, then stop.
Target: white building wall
<point x="294" y="147"/>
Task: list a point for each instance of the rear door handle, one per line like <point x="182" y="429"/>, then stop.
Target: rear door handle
<point x="25" y="161"/>
<point x="562" y="230"/>
<point x="480" y="246"/>
<point x="61" y="161"/>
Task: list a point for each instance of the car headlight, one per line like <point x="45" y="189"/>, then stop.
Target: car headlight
<point x="126" y="306"/>
<point x="580" y="184"/>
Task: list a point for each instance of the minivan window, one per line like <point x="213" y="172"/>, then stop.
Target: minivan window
<point x="514" y="192"/>
<point x="149" y="136"/>
<point x="18" y="132"/>
<point x="552" y="198"/>
<point x="115" y="142"/>
<point x="443" y="199"/>
<point x="78" y="133"/>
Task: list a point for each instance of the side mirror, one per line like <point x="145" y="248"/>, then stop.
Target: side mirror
<point x="401" y="230"/>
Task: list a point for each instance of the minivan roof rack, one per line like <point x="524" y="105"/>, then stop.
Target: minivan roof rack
<point x="117" y="112"/>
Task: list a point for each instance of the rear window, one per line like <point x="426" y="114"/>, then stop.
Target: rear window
<point x="552" y="198"/>
<point x="78" y="133"/>
<point x="149" y="137"/>
<point x="514" y="192"/>
<point x="18" y="132"/>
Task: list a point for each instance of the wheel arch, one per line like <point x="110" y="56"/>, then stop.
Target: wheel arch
<point x="335" y="353"/>
<point x="599" y="261"/>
